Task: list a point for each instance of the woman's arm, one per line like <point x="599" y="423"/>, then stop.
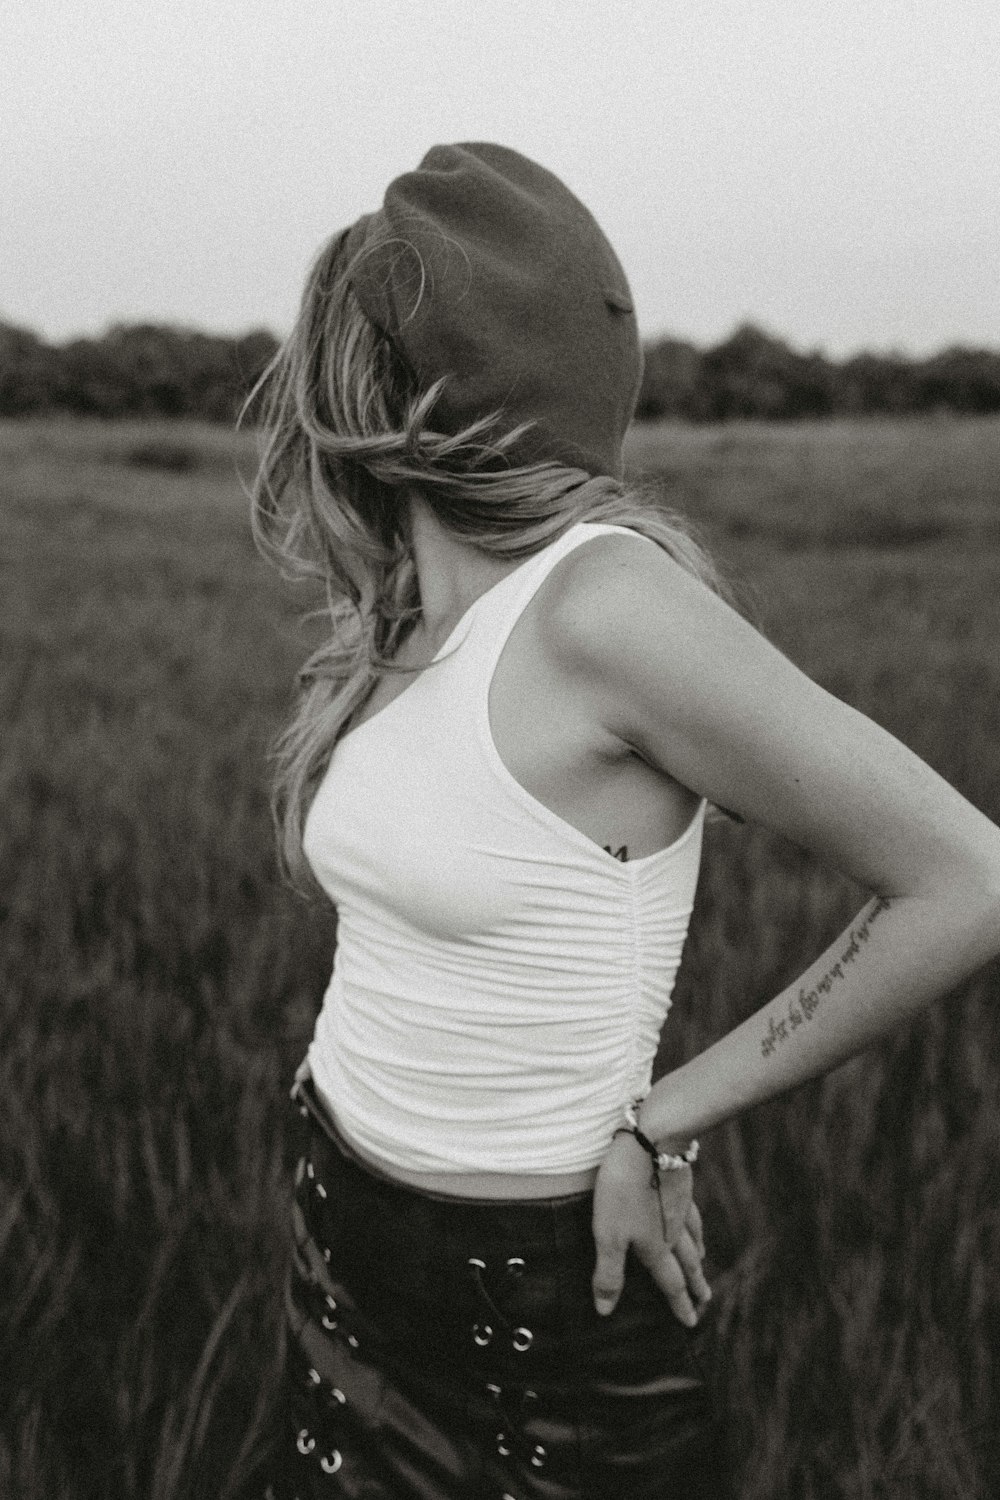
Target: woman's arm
<point x="702" y="696"/>
<point x="898" y="954"/>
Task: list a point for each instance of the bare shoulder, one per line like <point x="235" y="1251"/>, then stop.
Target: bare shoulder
<point x="702" y="695"/>
<point x="619" y="596"/>
<point x="622" y="575"/>
<point x="673" y="665"/>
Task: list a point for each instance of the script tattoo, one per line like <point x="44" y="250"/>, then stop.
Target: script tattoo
<point x="803" y="1007"/>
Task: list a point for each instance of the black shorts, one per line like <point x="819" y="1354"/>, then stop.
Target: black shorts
<point x="442" y="1348"/>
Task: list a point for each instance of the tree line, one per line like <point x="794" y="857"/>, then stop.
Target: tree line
<point x="754" y="374"/>
<point x="132" y="370"/>
<point x="156" y="370"/>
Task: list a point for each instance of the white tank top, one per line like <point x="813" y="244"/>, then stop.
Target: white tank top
<point x="500" y="980"/>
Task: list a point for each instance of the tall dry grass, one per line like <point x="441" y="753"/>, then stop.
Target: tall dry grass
<point x="157" y="985"/>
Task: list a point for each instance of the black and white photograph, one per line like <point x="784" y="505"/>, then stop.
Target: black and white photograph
<point x="500" y="750"/>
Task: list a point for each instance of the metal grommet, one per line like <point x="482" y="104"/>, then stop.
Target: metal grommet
<point x="352" y="1341"/>
<point x="331" y="1302"/>
<point x="515" y="1266"/>
<point x="522" y="1339"/>
<point x="320" y="1190"/>
<point x="338" y="1396"/>
<point x="482" y="1333"/>
<point x="328" y="1323"/>
<point x="332" y="1462"/>
<point x="314" y="1377"/>
<point x="475" y="1261"/>
<point x="494" y="1390"/>
<point x="537" y="1456"/>
<point x="304" y="1442"/>
<point x="503" y="1446"/>
<point x="310" y="1170"/>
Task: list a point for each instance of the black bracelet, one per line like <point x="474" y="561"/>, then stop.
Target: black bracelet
<point x="644" y="1141"/>
<point x="664" y="1161"/>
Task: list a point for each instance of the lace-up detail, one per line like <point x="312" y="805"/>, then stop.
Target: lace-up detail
<point x="513" y="1403"/>
<point x="521" y="1338"/>
<point x="461" y="1353"/>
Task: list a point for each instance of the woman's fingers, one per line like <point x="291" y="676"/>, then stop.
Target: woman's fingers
<point x="694" y="1226"/>
<point x="689" y="1258"/>
<point x="609" y="1273"/>
<point x="678" y="1274"/>
<point x="666" y="1271"/>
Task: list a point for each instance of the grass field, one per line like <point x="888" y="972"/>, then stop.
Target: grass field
<point x="159" y="985"/>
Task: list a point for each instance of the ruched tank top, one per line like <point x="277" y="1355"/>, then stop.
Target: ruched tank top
<point x="500" y="980"/>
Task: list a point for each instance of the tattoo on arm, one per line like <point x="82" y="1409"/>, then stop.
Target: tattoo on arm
<point x="803" y="1007"/>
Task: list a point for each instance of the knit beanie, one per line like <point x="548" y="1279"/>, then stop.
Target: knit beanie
<point x="483" y="267"/>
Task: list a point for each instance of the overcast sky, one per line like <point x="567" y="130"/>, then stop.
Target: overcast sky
<point x="827" y="168"/>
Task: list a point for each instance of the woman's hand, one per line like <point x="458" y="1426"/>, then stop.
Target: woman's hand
<point x="663" y="1229"/>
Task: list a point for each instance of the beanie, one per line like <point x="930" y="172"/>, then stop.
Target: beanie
<point x="483" y="267"/>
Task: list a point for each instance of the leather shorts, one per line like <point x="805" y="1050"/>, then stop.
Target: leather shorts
<point x="442" y="1348"/>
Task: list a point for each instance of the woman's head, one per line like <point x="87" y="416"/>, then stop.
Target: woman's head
<point x="486" y="271"/>
<point x="476" y="327"/>
<point x="351" y="429"/>
<point x="474" y="342"/>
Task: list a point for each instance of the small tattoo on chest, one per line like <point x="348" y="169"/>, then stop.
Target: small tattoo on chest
<point x="620" y="853"/>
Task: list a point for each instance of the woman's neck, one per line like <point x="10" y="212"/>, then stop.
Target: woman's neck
<point x="451" y="574"/>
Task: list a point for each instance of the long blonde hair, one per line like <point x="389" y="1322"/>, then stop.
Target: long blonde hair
<point x="348" y="435"/>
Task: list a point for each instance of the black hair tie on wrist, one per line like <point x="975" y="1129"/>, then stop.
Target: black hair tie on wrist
<point x="643" y="1139"/>
<point x="663" y="1161"/>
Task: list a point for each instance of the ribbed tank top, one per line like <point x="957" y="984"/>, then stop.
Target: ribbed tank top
<point x="500" y="980"/>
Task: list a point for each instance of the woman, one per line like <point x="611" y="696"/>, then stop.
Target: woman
<point x="498" y="771"/>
